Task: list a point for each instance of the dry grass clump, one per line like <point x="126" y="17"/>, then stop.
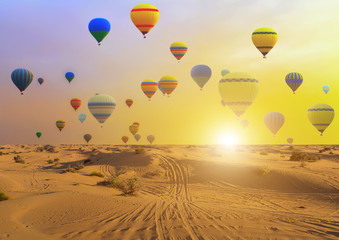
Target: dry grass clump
<point x="97" y="174"/>
<point x="300" y="156"/>
<point x="128" y="186"/>
<point x="3" y="196"/>
<point x="55" y="161"/>
<point x="2" y="153"/>
<point x="18" y="159"/>
<point x="263" y="153"/>
<point x="74" y="168"/>
<point x="263" y="171"/>
<point x="139" y="150"/>
<point x="326" y="149"/>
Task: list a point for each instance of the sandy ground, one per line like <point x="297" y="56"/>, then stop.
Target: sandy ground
<point x="186" y="192"/>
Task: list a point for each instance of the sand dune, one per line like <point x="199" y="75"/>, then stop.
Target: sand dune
<point x="186" y="192"/>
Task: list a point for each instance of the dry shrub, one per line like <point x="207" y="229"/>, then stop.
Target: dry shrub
<point x="3" y="196"/>
<point x="263" y="153"/>
<point x="263" y="171"/>
<point x="128" y="186"/>
<point x="97" y="174"/>
<point x="300" y="156"/>
<point x="139" y="150"/>
<point x="18" y="159"/>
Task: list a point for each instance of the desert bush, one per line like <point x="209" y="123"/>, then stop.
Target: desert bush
<point x="69" y="169"/>
<point x="331" y="152"/>
<point x="139" y="150"/>
<point x="300" y="156"/>
<point x="128" y="186"/>
<point x="39" y="149"/>
<point x="97" y="174"/>
<point x="94" y="149"/>
<point x="50" y="161"/>
<point x="263" y="171"/>
<point x="3" y="196"/>
<point x="263" y="153"/>
<point x="56" y="161"/>
<point x="78" y="166"/>
<point x="18" y="159"/>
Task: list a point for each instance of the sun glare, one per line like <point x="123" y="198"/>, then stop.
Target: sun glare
<point x="228" y="139"/>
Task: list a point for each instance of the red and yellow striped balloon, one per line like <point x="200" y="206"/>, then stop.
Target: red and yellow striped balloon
<point x="144" y="17"/>
<point x="129" y="102"/>
<point x="60" y="124"/>
<point x="75" y="103"/>
<point x="168" y="83"/>
<point x="125" y="139"/>
<point x="178" y="49"/>
<point x="149" y="87"/>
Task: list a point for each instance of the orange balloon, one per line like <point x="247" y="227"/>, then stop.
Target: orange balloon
<point x="129" y="102"/>
<point x="76" y="103"/>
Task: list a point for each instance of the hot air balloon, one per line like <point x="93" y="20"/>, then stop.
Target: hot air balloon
<point x="290" y="140"/>
<point x="38" y="134"/>
<point x="326" y="88"/>
<point x="162" y="90"/>
<point x="294" y="80"/>
<point x="22" y="77"/>
<point x="201" y="74"/>
<point x="87" y="137"/>
<point x="75" y="103"/>
<point x="320" y="115"/>
<point x="244" y="123"/>
<point x="99" y="28"/>
<point x="178" y="49"/>
<point x="168" y="84"/>
<point x="150" y="138"/>
<point x="125" y="139"/>
<point x="144" y="17"/>
<point x="82" y="117"/>
<point x="223" y="103"/>
<point x="136" y="123"/>
<point x="238" y="91"/>
<point x="41" y="80"/>
<point x="137" y="137"/>
<point x="133" y="129"/>
<point x="129" y="102"/>
<point x="224" y="72"/>
<point x="101" y="106"/>
<point x="274" y="121"/>
<point x="60" y="124"/>
<point x="264" y="40"/>
<point x="149" y="87"/>
<point x="69" y="76"/>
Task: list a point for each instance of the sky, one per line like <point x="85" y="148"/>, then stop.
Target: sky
<point x="51" y="38"/>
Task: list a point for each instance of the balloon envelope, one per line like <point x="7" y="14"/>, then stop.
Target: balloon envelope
<point x="294" y="80"/>
<point x="326" y="89"/>
<point x="60" y="124"/>
<point x="69" y="76"/>
<point x="101" y="106"/>
<point x="168" y="83"/>
<point x="136" y="123"/>
<point x="178" y="49"/>
<point x="137" y="137"/>
<point x="290" y="140"/>
<point x="38" y="134"/>
<point x="320" y="115"/>
<point x="99" y="28"/>
<point x="87" y="137"/>
<point x="162" y="90"/>
<point x="82" y="117"/>
<point x="22" y="78"/>
<point x="150" y="138"/>
<point x="149" y="87"/>
<point x="201" y="74"/>
<point x="238" y="91"/>
<point x="125" y="139"/>
<point x="129" y="102"/>
<point x="274" y="121"/>
<point x="144" y="17"/>
<point x="133" y="129"/>
<point x="41" y="80"/>
<point x="264" y="40"/>
<point x="75" y="103"/>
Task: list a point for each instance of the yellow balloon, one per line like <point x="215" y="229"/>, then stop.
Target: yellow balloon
<point x="264" y="40"/>
<point x="144" y="17"/>
<point x="320" y="115"/>
<point x="238" y="91"/>
<point x="134" y="129"/>
<point x="274" y="121"/>
<point x="178" y="49"/>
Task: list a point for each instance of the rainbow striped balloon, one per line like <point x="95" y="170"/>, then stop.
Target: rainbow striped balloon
<point x="168" y="83"/>
<point x="294" y="80"/>
<point x="60" y="124"/>
<point x="101" y="106"/>
<point x="149" y="87"/>
<point x="129" y="102"/>
<point x="144" y="17"/>
<point x="178" y="49"/>
<point x="161" y="90"/>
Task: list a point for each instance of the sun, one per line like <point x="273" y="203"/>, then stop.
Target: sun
<point x="228" y="139"/>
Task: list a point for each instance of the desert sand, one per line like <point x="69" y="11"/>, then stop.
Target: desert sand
<point x="185" y="192"/>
